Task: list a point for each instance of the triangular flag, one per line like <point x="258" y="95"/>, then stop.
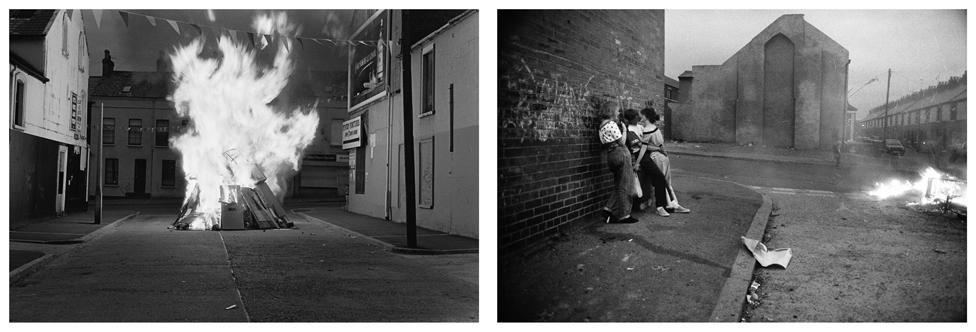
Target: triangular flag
<point x="152" y="20"/>
<point x="97" y="13"/>
<point x="250" y="35"/>
<point x="318" y="42"/>
<point x="176" y="27"/>
<point x="199" y="30"/>
<point x="70" y="11"/>
<point x="300" y="43"/>
<point x="125" y="17"/>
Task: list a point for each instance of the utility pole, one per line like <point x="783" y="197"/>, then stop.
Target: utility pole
<point x="884" y="130"/>
<point x="409" y="170"/>
<point x="100" y="163"/>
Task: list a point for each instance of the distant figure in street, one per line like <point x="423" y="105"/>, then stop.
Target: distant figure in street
<point x="837" y="148"/>
<point x="611" y="133"/>
<point x="649" y="173"/>
<point x="652" y="125"/>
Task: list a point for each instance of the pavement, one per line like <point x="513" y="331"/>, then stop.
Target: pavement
<point x="687" y="267"/>
<point x="141" y="271"/>
<point x="392" y="235"/>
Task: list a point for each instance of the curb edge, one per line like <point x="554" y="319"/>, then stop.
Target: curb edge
<point x="731" y="297"/>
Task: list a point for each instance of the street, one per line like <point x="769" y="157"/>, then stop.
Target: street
<point x="140" y="271"/>
<point x="854" y="258"/>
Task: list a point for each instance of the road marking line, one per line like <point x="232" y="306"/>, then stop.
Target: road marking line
<point x="234" y="276"/>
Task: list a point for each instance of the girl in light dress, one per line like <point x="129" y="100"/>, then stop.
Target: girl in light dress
<point x="653" y="137"/>
<point x="651" y="176"/>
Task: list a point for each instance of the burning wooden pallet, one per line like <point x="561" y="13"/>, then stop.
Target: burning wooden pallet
<point x="241" y="207"/>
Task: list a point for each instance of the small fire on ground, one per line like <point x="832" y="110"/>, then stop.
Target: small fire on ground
<point x="241" y="145"/>
<point x="933" y="188"/>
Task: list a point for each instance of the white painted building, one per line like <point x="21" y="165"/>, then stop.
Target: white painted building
<point x="444" y="67"/>
<point x="48" y="93"/>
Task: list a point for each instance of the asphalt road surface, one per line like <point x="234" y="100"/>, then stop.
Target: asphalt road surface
<point x="855" y="258"/>
<point x="140" y="271"/>
<point x="786" y="175"/>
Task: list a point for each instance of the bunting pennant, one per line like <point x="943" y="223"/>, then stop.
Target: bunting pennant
<point x="199" y="30"/>
<point x="300" y="43"/>
<point x="176" y="27"/>
<point x="125" y="17"/>
<point x="152" y="20"/>
<point x="318" y="42"/>
<point x="70" y="12"/>
<point x="97" y="13"/>
<point x="250" y="35"/>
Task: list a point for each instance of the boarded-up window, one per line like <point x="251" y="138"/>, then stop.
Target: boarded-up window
<point x="426" y="197"/>
<point x="335" y="132"/>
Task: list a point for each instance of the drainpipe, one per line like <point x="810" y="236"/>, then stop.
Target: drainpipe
<point x="389" y="113"/>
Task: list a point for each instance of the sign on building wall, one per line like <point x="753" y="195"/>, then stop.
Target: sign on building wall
<point x="352" y="131"/>
<point x="367" y="64"/>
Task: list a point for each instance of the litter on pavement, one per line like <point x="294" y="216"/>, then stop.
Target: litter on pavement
<point x="767" y="257"/>
<point x="231" y="307"/>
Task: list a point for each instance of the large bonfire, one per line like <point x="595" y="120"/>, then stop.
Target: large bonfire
<point x="239" y="147"/>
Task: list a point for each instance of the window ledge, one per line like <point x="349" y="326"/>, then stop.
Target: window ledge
<point x="424" y="115"/>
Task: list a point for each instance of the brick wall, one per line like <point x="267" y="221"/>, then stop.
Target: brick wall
<point x="555" y="68"/>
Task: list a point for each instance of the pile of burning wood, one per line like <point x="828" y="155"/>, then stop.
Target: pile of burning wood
<point x="241" y="207"/>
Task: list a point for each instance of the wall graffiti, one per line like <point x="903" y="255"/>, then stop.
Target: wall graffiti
<point x="537" y="106"/>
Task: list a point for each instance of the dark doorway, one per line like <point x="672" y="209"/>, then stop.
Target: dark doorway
<point x="139" y="178"/>
<point x="778" y="111"/>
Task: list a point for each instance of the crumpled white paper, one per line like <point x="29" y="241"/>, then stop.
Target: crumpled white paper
<point x="767" y="257"/>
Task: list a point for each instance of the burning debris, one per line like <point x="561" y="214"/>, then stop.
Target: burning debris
<point x="933" y="188"/>
<point x="239" y="148"/>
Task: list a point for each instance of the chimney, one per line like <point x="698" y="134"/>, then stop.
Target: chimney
<point x="108" y="67"/>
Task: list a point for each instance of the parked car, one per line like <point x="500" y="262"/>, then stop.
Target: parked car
<point x="893" y="146"/>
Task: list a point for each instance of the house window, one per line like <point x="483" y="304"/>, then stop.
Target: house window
<point x="81" y="50"/>
<point x="111" y="171"/>
<point x="64" y="34"/>
<point x="952" y="112"/>
<point x="135" y="131"/>
<point x="428" y="82"/>
<point x="162" y="132"/>
<point x="19" y="104"/>
<point x="938" y="114"/>
<point x="108" y="131"/>
<point x="169" y="174"/>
